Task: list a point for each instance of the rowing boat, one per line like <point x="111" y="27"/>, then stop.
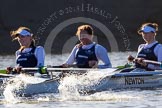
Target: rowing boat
<point x="134" y="79"/>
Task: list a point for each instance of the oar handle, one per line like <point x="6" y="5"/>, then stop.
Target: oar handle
<point x="152" y="62"/>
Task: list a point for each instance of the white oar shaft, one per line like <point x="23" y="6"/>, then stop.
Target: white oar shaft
<point x="52" y="69"/>
<point x="153" y="62"/>
<point x="69" y="69"/>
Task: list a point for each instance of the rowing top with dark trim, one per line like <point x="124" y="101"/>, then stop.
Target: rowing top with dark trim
<point x="83" y="56"/>
<point x="27" y="59"/>
<point x="147" y="54"/>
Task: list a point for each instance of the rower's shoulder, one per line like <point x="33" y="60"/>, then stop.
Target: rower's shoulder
<point x="160" y="45"/>
<point x="17" y="52"/>
<point x="141" y="45"/>
<point x="99" y="46"/>
<point x="39" y="47"/>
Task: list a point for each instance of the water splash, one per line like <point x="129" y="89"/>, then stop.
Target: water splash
<point x="73" y="86"/>
<point x="13" y="87"/>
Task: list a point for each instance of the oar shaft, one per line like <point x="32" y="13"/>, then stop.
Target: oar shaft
<point x="45" y="70"/>
<point x="153" y="62"/>
<point x="53" y="69"/>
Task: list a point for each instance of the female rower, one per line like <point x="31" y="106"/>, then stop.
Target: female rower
<point x="151" y="50"/>
<point x="87" y="53"/>
<point x="28" y="55"/>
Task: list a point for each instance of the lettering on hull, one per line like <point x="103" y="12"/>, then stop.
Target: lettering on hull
<point x="134" y="81"/>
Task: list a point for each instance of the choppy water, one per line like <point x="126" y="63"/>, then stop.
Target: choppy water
<point x="71" y="99"/>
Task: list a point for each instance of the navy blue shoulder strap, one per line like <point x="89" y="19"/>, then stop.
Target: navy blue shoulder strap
<point x="154" y="45"/>
<point x="33" y="49"/>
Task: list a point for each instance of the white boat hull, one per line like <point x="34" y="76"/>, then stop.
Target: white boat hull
<point x="49" y="86"/>
<point x="118" y="81"/>
<point x="132" y="80"/>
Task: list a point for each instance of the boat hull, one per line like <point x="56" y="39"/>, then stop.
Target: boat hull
<point x="117" y="81"/>
<point x="49" y="86"/>
<point x="131" y="80"/>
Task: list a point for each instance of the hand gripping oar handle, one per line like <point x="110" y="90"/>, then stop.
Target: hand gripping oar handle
<point x="147" y="61"/>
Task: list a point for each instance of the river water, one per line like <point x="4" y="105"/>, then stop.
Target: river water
<point x="71" y="99"/>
